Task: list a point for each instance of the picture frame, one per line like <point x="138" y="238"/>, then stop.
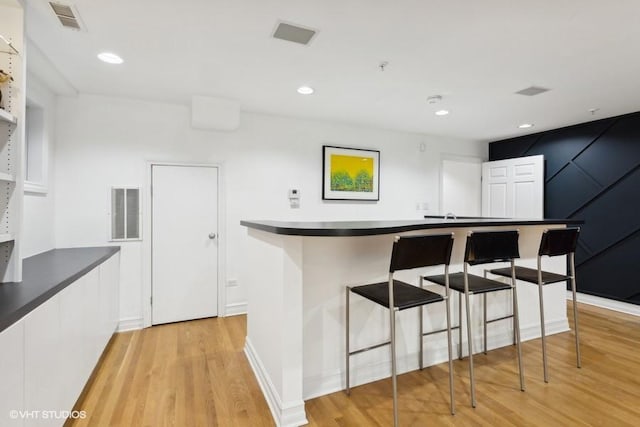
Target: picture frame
<point x="350" y="173"/>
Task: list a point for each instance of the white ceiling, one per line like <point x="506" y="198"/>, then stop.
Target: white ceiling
<point x="475" y="54"/>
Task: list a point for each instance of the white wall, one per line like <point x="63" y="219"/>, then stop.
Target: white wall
<point x="104" y="142"/>
<point x="461" y="186"/>
<point x="38" y="224"/>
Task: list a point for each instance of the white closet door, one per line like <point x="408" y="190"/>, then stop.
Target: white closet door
<point x="184" y="243"/>
<point x="513" y="188"/>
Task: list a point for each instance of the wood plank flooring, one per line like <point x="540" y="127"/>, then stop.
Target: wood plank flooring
<point x="195" y="374"/>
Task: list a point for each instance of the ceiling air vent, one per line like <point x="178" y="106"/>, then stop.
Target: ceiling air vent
<point x="532" y="91"/>
<point x="294" y="33"/>
<point x="67" y="16"/>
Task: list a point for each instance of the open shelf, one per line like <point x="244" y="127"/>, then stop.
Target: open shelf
<point x="7" y="177"/>
<point x="7" y="117"/>
<point x="6" y="46"/>
<point x="12" y="135"/>
<point x="9" y="237"/>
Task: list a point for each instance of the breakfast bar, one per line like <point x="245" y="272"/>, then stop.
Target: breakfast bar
<point x="296" y="275"/>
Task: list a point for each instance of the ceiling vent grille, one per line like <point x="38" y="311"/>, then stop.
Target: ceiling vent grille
<point x="532" y="91"/>
<point x="67" y="16"/>
<point x="293" y="33"/>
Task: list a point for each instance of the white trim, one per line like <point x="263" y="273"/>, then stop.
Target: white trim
<point x="236" y="308"/>
<point x="622" y="307"/>
<point x="130" y="324"/>
<point x="146" y="231"/>
<point x="290" y="416"/>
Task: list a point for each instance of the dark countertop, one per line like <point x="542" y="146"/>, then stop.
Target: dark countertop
<point x="44" y="275"/>
<point x="372" y="228"/>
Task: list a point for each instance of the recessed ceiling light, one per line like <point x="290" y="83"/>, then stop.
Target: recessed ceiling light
<point x="305" y="90"/>
<point x="525" y="126"/>
<point x="442" y="112"/>
<point x="110" y="58"/>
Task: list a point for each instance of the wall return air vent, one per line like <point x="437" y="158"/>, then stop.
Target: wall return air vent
<point x="66" y="14"/>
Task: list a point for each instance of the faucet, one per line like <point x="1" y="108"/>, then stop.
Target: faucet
<point x="450" y="214"/>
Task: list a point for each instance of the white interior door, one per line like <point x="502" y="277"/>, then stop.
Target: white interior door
<point x="184" y="243"/>
<point x="513" y="188"/>
<point x="461" y="187"/>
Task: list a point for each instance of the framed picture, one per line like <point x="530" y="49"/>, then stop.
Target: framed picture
<point x="350" y="173"/>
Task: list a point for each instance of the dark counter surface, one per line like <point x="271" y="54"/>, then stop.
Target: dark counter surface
<point x="44" y="275"/>
<point x="371" y="228"/>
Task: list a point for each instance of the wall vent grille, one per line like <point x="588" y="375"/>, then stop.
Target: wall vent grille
<point x="66" y="14"/>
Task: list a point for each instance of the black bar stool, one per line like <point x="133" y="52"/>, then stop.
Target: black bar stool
<point x="408" y="252"/>
<point x="555" y="242"/>
<point x="484" y="248"/>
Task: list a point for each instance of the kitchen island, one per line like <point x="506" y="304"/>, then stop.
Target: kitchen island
<point x="296" y="274"/>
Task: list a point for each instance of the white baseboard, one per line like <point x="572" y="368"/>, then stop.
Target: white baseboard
<point x="623" y="307"/>
<point x="434" y="352"/>
<point x="291" y="415"/>
<point x="235" y="309"/>
<point x="130" y="324"/>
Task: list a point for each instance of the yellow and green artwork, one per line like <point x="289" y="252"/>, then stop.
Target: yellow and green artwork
<point x="351" y="173"/>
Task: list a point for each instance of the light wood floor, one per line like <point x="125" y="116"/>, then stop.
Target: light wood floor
<point x="195" y="374"/>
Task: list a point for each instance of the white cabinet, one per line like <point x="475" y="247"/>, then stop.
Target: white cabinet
<point x="12" y="374"/>
<point x="72" y="328"/>
<point x="109" y="297"/>
<point x="42" y="357"/>
<point x="11" y="138"/>
<point x="47" y="357"/>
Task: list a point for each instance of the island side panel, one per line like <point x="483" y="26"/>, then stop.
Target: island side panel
<point x="273" y="275"/>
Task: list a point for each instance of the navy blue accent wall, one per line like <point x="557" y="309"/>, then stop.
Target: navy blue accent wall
<point x="592" y="172"/>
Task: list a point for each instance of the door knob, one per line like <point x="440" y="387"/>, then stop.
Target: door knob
<point x="212" y="236"/>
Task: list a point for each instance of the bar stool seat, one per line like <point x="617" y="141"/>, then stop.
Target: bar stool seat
<point x="477" y="284"/>
<point x="405" y="295"/>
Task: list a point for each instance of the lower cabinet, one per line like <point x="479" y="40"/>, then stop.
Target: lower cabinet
<point x="12" y="374"/>
<point x="55" y="348"/>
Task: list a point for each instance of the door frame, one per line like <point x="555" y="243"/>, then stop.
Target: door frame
<point x="147" y="243"/>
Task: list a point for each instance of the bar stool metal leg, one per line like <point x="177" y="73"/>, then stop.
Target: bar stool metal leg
<point x="542" y="322"/>
<point x="449" y="346"/>
<point x="572" y="265"/>
<point x="469" y="339"/>
<point x="459" y="325"/>
<point x="394" y="380"/>
<point x="421" y="316"/>
<point x="348" y="389"/>
<point x="516" y="322"/>
<point x="513" y="321"/>
<point x="484" y="317"/>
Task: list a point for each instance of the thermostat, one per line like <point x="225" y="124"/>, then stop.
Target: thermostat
<point x="294" y="198"/>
